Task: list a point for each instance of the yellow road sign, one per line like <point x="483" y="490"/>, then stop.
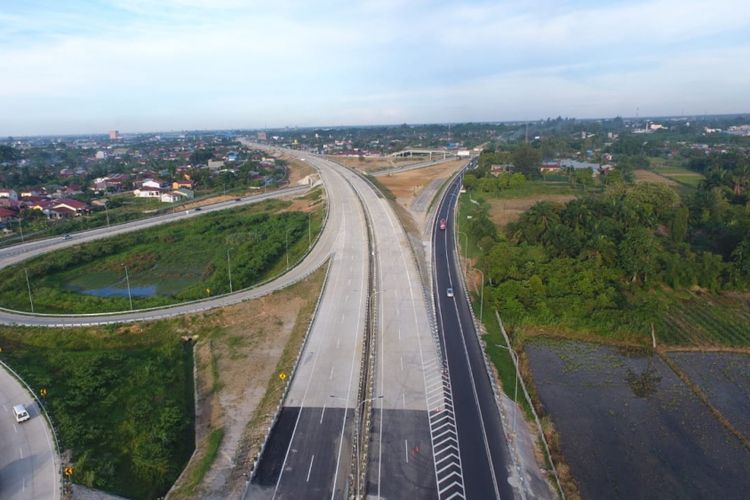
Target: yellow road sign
<point x="68" y="471"/>
<point x="282" y="376"/>
<point x="43" y="392"/>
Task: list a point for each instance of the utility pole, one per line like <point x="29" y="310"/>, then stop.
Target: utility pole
<point x="287" y="247"/>
<point x="229" y="272"/>
<point x="28" y="286"/>
<point x="20" y="227"/>
<point x="481" y="299"/>
<point x="127" y="280"/>
<point x="309" y="230"/>
<point x="106" y="211"/>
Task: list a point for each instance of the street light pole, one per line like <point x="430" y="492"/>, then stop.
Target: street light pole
<point x="106" y="211"/>
<point x="127" y="280"/>
<point x="287" y="247"/>
<point x="20" y="228"/>
<point x="28" y="286"/>
<point x="229" y="271"/>
<point x="309" y="230"/>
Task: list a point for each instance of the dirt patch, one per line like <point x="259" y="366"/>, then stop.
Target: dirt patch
<point x="505" y="211"/>
<point x="373" y="164"/>
<point x="297" y="169"/>
<point x="236" y="362"/>
<point x="407" y="185"/>
<point x="648" y="176"/>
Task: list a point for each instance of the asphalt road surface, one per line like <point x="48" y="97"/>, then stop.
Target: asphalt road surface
<point x="484" y="454"/>
<point x="27" y="454"/>
<point x="17" y="253"/>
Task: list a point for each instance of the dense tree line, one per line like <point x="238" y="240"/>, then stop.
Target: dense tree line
<point x="596" y="262"/>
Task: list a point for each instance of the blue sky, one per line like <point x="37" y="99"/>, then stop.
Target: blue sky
<point x="140" y="65"/>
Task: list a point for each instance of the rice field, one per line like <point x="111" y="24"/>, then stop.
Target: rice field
<point x="709" y="321"/>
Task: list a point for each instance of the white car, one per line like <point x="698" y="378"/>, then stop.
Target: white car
<point x="449" y="292"/>
<point x="21" y="414"/>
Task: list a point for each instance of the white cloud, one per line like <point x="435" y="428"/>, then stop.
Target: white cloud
<point x="291" y="62"/>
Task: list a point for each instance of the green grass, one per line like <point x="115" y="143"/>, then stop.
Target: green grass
<point x="671" y="169"/>
<point x="185" y="260"/>
<point x="121" y="398"/>
<point x="213" y="441"/>
<point x="531" y="188"/>
<point x="706" y="320"/>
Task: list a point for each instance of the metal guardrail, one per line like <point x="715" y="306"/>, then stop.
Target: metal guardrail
<point x="57" y="451"/>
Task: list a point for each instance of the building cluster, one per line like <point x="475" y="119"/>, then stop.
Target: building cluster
<point x="52" y="206"/>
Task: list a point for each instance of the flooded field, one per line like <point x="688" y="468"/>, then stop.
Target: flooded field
<point x="629" y="428"/>
<point x="725" y="378"/>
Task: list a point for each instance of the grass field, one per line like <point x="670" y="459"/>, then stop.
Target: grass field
<point x="709" y="320"/>
<point x="120" y="397"/>
<point x="673" y="171"/>
<point x="168" y="264"/>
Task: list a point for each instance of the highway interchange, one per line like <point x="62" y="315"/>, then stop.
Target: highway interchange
<point x="383" y="344"/>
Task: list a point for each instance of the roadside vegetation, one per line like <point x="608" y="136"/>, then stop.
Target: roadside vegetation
<point x="172" y="263"/>
<point x="120" y="397"/>
<point x="616" y="260"/>
<point x="607" y="261"/>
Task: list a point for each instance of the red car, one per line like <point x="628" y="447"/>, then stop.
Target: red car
<point x="443" y="224"/>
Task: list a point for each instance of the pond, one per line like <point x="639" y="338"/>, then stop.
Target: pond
<point x="629" y="427"/>
<point x="111" y="291"/>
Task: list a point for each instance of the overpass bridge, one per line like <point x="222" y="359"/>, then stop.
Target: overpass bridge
<point x="425" y="153"/>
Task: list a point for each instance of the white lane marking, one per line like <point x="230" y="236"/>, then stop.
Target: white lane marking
<point x="338" y="342"/>
<point x="15" y="429"/>
<point x="347" y="298"/>
<point x="322" y="413"/>
<point x="402" y="362"/>
<point x="343" y="317"/>
<point x="403" y="399"/>
<point x="310" y="469"/>
<point x="399" y="333"/>
<point x="23" y="484"/>
<point x="330" y="375"/>
<point x="406" y="450"/>
<point x="20" y="451"/>
<point x="358" y="323"/>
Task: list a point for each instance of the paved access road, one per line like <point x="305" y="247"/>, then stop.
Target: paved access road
<point x="308" y="454"/>
<point x="18" y="253"/>
<point x="484" y="454"/>
<point x="28" y="470"/>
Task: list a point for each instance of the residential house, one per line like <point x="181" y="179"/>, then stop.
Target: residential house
<point x="215" y="164"/>
<point x="170" y="197"/>
<point x="182" y="184"/>
<point x="153" y="183"/>
<point x="7" y="214"/>
<point x="147" y="192"/>
<point x="74" y="206"/>
<point x="9" y="194"/>
<point x="550" y="167"/>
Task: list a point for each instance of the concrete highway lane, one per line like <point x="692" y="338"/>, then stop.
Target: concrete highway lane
<point x="28" y="469"/>
<point x="309" y="451"/>
<point x="400" y="462"/>
<point x="483" y="449"/>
